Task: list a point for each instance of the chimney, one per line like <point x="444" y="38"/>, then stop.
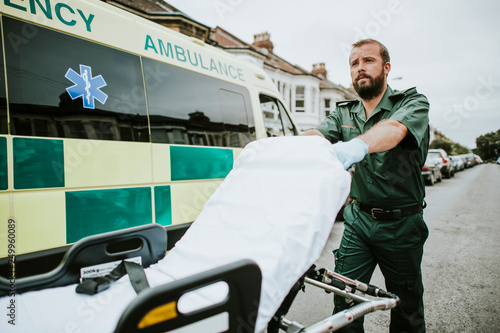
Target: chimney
<point x="319" y="70"/>
<point x="263" y="40"/>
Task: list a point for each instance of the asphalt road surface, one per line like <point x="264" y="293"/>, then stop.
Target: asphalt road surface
<point x="461" y="264"/>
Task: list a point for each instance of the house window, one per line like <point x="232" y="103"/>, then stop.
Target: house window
<point x="327" y="107"/>
<point x="299" y="99"/>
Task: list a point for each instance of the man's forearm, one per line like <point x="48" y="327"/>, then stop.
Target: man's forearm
<point x="384" y="136"/>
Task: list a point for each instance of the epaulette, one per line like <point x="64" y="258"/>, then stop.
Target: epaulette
<point x="346" y="102"/>
<point x="402" y="93"/>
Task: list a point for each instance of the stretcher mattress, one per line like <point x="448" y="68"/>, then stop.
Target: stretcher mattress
<point x="277" y="207"/>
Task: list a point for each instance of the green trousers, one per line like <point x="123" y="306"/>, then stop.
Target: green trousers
<point x="397" y="247"/>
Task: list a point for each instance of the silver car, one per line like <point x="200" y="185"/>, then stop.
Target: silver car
<point x="431" y="171"/>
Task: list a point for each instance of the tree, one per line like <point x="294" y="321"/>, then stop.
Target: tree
<point x="458" y="149"/>
<point x="488" y="146"/>
<point x="442" y="143"/>
<point x="450" y="147"/>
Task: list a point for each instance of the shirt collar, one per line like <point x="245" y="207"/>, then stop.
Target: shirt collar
<point x="385" y="103"/>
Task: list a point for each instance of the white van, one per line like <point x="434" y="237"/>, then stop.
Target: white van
<point x="108" y="121"/>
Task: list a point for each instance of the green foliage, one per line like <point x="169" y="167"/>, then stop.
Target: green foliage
<point x="442" y="143"/>
<point x="458" y="149"/>
<point x="451" y="148"/>
<point x="488" y="146"/>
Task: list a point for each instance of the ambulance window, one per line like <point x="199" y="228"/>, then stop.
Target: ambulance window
<point x="3" y="99"/>
<point x="63" y="86"/>
<point x="276" y="120"/>
<point x="206" y="109"/>
<point x="288" y="127"/>
<point x="236" y="118"/>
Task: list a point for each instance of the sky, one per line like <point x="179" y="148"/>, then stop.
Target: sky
<point x="448" y="49"/>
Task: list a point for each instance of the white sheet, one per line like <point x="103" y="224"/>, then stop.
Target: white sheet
<point x="277" y="207"/>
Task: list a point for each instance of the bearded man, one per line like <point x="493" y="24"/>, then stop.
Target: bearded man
<point x="386" y="134"/>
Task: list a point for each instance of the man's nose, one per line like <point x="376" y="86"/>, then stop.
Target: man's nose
<point x="360" y="70"/>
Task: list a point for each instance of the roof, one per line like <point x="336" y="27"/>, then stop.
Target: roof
<point x="149" y="6"/>
<point x="349" y="93"/>
<point x="227" y="40"/>
<point x="153" y="10"/>
<point x="160" y="10"/>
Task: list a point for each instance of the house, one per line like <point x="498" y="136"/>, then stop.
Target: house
<point x="309" y="95"/>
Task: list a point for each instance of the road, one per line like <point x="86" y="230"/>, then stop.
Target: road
<point x="461" y="264"/>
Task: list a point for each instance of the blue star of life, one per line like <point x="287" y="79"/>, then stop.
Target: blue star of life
<point x="86" y="86"/>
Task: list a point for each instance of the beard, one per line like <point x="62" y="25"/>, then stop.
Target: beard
<point x="372" y="89"/>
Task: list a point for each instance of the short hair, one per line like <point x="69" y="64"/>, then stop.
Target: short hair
<point x="384" y="53"/>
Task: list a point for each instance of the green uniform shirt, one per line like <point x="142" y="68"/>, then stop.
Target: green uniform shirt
<point x="391" y="179"/>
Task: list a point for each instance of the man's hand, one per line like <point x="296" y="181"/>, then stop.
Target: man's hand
<point x="350" y="152"/>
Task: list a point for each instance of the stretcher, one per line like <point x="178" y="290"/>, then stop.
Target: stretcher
<point x="237" y="268"/>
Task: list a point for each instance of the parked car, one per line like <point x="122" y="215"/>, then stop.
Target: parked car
<point x="431" y="171"/>
<point x="469" y="160"/>
<point x="458" y="163"/>
<point x="447" y="169"/>
<point x="498" y="160"/>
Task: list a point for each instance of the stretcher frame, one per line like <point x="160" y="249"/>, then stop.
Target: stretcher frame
<point x="363" y="298"/>
<point x="239" y="309"/>
<point x="149" y="242"/>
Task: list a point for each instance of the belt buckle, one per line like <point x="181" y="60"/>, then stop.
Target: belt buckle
<point x="375" y="211"/>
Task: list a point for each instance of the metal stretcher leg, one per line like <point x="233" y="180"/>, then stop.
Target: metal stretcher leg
<point x="368" y="298"/>
<point x="275" y="323"/>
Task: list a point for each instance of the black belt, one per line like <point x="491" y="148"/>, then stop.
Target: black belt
<point x="391" y="214"/>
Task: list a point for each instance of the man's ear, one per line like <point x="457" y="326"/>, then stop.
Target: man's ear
<point x="387" y="68"/>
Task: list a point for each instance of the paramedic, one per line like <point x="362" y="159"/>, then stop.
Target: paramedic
<point x="386" y="134"/>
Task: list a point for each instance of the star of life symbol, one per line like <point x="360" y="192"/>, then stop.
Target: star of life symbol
<point x="86" y="86"/>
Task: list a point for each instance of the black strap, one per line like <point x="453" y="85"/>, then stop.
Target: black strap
<point x="391" y="214"/>
<point x="137" y="276"/>
<point x="92" y="286"/>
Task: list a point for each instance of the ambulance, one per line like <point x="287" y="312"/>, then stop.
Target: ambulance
<point x="109" y="121"/>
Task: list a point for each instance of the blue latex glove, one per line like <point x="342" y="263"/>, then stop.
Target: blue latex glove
<point x="350" y="152"/>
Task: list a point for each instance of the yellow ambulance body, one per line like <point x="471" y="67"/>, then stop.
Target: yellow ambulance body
<point x="108" y="121"/>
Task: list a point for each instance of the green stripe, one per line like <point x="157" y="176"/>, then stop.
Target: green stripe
<point x="38" y="163"/>
<point x="163" y="205"/>
<point x="4" y="182"/>
<point x="190" y="163"/>
<point x="97" y="211"/>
